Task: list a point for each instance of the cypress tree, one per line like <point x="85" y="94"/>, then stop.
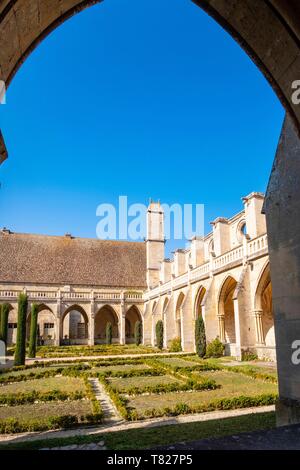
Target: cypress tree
<point x="21" y="331"/>
<point x="200" y="337"/>
<point x="159" y="334"/>
<point x="138" y="333"/>
<point x="4" y="322"/>
<point x="33" y="330"/>
<point x="108" y="333"/>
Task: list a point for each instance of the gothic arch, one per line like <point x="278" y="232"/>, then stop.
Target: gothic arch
<point x="198" y="302"/>
<point x="226" y="310"/>
<point x="264" y="307"/>
<point x="132" y="316"/>
<point x="74" y="325"/>
<point x="46" y="332"/>
<point x="106" y="314"/>
<point x="23" y="25"/>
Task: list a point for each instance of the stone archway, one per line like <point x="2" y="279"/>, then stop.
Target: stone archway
<point x="46" y="331"/>
<point x="74" y="325"/>
<point x="226" y="315"/>
<point x="131" y="318"/>
<point x="198" y="303"/>
<point x="265" y="331"/>
<point x="106" y="314"/>
<point x="178" y="316"/>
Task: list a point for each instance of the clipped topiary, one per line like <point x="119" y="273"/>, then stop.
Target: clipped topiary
<point x="4" y="322"/>
<point x="200" y="337"/>
<point x="159" y="334"/>
<point x="21" y="331"/>
<point x="175" y="345"/>
<point x="33" y="330"/>
<point x="215" y="349"/>
<point x="138" y="333"/>
<point x="108" y="333"/>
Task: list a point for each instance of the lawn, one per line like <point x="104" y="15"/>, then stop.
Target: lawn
<point x="124" y="384"/>
<point x="121" y="367"/>
<point x="177" y="362"/>
<point x="42" y="411"/>
<point x="97" y="350"/>
<point x="61" y="383"/>
<point x="232" y="385"/>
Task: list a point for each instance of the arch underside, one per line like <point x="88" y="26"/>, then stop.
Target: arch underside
<point x="268" y="30"/>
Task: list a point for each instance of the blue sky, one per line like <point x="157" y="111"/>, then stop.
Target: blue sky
<point x="145" y="99"/>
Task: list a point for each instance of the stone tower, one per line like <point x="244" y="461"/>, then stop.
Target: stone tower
<point x="155" y="243"/>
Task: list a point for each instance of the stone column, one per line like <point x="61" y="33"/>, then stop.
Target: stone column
<point x="238" y="348"/>
<point x="58" y="322"/>
<point x="259" y="327"/>
<point x="221" y="320"/>
<point x="91" y="339"/>
<point x="165" y="329"/>
<point x="122" y="334"/>
<point x="282" y="209"/>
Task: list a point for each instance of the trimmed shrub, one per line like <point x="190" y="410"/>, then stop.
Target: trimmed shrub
<point x="215" y="348"/>
<point x="109" y="333"/>
<point x="4" y="322"/>
<point x="248" y="355"/>
<point x="138" y="333"/>
<point x="21" y="332"/>
<point x="200" y="337"/>
<point x="159" y="334"/>
<point x="175" y="345"/>
<point x="33" y="331"/>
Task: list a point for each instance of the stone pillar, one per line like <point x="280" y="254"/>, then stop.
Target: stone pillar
<point x="259" y="327"/>
<point x="165" y="329"/>
<point x="91" y="339"/>
<point x="58" y="321"/>
<point x="238" y="348"/>
<point x="122" y="334"/>
<point x="221" y="320"/>
<point x="282" y="209"/>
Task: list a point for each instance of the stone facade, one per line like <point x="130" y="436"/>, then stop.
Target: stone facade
<point x="224" y="277"/>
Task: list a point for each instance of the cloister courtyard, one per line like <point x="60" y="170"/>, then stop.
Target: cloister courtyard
<point x="109" y="396"/>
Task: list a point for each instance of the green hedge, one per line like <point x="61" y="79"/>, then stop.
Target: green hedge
<point x="4" y="312"/>
<point x="31" y="397"/>
<point x="221" y="404"/>
<point x="190" y="385"/>
<point x="21" y="331"/>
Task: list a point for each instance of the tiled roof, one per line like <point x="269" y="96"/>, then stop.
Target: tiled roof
<point x="64" y="260"/>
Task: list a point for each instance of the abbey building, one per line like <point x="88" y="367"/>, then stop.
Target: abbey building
<point x="81" y="284"/>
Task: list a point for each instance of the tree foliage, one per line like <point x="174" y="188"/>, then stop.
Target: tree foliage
<point x="109" y="333"/>
<point x="21" y="331"/>
<point x="33" y="330"/>
<point x="138" y="333"/>
<point x="159" y="334"/>
<point x="200" y="337"/>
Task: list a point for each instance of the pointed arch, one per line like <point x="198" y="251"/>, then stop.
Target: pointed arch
<point x="132" y="316"/>
<point x="264" y="306"/>
<point x="106" y="314"/>
<point x="198" y="302"/>
<point x="226" y="310"/>
<point x="75" y="325"/>
<point x="46" y="334"/>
